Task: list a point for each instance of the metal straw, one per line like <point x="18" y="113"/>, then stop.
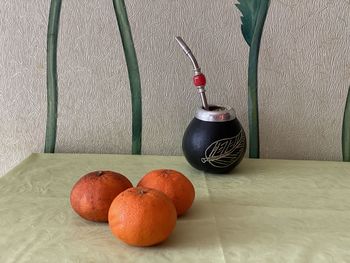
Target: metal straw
<point x="196" y="68"/>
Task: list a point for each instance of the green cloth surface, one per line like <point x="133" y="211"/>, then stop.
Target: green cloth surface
<point x="264" y="211"/>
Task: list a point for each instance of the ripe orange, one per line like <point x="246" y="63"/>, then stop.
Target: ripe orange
<point x="93" y="194"/>
<point x="174" y="184"/>
<point x="142" y="217"/>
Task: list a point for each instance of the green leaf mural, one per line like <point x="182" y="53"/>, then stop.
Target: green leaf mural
<point x="253" y="18"/>
<point x="346" y="130"/>
<point x="52" y="94"/>
<point x="133" y="71"/>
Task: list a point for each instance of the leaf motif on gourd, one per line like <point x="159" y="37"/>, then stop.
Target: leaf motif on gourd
<point x="224" y="152"/>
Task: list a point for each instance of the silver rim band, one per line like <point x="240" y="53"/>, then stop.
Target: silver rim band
<point x="216" y="114"/>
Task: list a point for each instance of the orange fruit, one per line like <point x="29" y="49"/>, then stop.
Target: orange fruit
<point x="93" y="194"/>
<point x="142" y="217"/>
<point x="174" y="184"/>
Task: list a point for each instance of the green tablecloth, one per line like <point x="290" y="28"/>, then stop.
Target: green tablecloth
<point x="265" y="211"/>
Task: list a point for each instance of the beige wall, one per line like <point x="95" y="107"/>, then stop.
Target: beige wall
<point x="304" y="75"/>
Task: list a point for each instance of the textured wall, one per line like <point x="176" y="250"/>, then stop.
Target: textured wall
<point x="304" y="75"/>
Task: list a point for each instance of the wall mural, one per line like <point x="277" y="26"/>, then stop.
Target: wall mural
<point x="346" y="130"/>
<point x="253" y="18"/>
<point x="131" y="62"/>
<point x="51" y="76"/>
<point x="133" y="72"/>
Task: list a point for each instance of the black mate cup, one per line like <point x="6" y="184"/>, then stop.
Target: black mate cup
<point x="214" y="141"/>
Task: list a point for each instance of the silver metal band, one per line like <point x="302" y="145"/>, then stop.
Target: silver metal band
<point x="216" y="114"/>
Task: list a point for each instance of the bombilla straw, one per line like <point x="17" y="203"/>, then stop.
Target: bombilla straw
<point x="199" y="78"/>
<point x="189" y="53"/>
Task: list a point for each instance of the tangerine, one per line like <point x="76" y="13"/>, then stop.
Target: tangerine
<point x="93" y="194"/>
<point x="174" y="184"/>
<point x="142" y="217"/>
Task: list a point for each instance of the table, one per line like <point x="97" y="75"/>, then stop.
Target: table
<point x="264" y="211"/>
